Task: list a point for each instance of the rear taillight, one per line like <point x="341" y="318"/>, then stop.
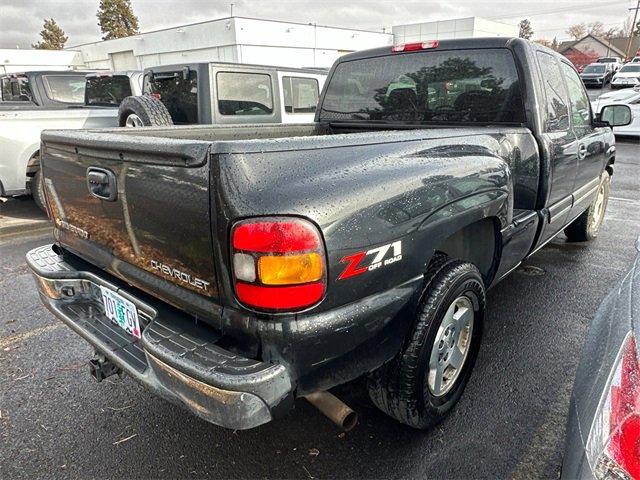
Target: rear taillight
<point x="278" y="264"/>
<point x="613" y="446"/>
<point x="412" y="47"/>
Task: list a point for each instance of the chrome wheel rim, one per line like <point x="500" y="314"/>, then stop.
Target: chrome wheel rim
<point x="133" y="120"/>
<point x="451" y="346"/>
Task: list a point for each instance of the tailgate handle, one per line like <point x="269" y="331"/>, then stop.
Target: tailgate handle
<point x="102" y="183"/>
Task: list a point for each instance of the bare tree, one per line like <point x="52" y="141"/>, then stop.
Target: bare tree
<point x="577" y="31"/>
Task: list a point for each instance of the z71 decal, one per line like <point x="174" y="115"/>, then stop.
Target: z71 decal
<point x="357" y="262"/>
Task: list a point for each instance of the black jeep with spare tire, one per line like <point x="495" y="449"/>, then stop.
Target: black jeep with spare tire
<point x="234" y="268"/>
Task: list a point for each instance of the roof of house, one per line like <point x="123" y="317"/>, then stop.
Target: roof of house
<point x="622" y="42"/>
<point x="564" y="46"/>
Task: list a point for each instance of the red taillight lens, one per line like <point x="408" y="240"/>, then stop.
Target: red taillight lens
<point x="614" y="440"/>
<point x="278" y="264"/>
<point x="412" y="47"/>
<point x="624" y="446"/>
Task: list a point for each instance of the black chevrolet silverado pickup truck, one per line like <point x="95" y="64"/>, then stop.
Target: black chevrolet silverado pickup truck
<point x="235" y="268"/>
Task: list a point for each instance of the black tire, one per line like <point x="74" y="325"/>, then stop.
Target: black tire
<point x="37" y="191"/>
<point x="586" y="227"/>
<point x="150" y="112"/>
<point x="401" y="388"/>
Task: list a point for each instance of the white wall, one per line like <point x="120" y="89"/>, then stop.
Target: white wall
<point x="237" y="39"/>
<point x="471" y="27"/>
<point x="17" y="60"/>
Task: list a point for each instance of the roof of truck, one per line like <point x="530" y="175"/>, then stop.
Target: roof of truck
<point x="457" y="44"/>
<point x="107" y="73"/>
<point x="47" y="72"/>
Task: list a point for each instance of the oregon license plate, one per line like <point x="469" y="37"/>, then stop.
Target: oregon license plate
<point x="121" y="312"/>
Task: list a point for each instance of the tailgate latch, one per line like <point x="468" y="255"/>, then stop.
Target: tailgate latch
<point x="102" y="183"/>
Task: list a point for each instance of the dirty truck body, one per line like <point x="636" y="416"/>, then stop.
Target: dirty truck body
<point x="376" y="210"/>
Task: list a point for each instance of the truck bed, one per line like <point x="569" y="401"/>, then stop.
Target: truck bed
<point x="180" y="188"/>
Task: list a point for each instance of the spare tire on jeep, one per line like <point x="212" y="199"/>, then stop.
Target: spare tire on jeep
<point x="143" y="111"/>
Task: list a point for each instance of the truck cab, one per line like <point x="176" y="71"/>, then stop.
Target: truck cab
<point x="43" y="88"/>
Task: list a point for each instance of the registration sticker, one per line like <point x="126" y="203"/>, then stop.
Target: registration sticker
<point x="121" y="312"/>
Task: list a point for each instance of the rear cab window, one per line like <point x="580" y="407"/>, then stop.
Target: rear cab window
<point x="240" y="93"/>
<point x="65" y="88"/>
<point x="456" y="87"/>
<point x="300" y="94"/>
<point x="178" y="94"/>
<point x="107" y="90"/>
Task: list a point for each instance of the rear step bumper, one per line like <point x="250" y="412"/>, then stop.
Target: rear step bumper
<point x="176" y="357"/>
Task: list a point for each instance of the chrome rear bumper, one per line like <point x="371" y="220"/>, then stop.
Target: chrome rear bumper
<point x="176" y="357"/>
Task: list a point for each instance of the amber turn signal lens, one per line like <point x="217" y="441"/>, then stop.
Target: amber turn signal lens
<point x="290" y="269"/>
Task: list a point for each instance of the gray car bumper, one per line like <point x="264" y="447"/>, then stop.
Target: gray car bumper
<point x="176" y="357"/>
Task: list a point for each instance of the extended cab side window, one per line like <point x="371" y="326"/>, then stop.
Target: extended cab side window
<point x="244" y="93"/>
<point x="556" y="93"/>
<point x="580" y="109"/>
<point x="300" y="94"/>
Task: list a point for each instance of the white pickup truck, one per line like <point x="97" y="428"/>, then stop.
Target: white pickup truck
<point x="36" y="101"/>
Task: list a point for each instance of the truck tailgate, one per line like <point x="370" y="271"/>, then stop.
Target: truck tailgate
<point x="155" y="233"/>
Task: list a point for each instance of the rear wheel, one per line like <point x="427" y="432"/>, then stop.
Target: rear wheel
<point x="586" y="226"/>
<point x="423" y="383"/>
<point x="37" y="190"/>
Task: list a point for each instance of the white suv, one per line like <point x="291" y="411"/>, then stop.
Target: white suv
<point x="627" y="76"/>
<point x="616" y="62"/>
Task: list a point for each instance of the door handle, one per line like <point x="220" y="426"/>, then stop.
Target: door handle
<point x="102" y="183"/>
<point x="582" y="151"/>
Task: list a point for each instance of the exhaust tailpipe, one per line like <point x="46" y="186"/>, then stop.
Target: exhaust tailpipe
<point x="334" y="408"/>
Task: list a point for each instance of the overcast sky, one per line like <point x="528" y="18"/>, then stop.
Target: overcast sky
<point x="21" y="20"/>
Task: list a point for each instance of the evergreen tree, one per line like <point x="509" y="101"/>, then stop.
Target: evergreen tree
<point x="525" y="29"/>
<point x="53" y="37"/>
<point x="116" y="19"/>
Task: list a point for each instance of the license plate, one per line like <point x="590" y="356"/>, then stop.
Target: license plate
<point x="121" y="312"/>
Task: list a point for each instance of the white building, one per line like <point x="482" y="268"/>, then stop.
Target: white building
<point x="18" y="60"/>
<point x="233" y="39"/>
<point x="471" y="27"/>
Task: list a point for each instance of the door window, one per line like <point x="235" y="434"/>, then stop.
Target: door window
<point x="557" y="100"/>
<point x="65" y="88"/>
<point x="300" y="94"/>
<point x="580" y="109"/>
<point x="244" y="93"/>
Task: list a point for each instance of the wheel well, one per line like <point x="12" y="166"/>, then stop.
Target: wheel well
<point x="476" y="243"/>
<point x="33" y="165"/>
<point x="609" y="167"/>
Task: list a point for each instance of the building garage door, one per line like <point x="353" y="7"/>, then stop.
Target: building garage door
<point x="124" y="60"/>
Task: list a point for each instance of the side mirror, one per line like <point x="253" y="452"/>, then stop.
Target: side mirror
<point x="615" y="115"/>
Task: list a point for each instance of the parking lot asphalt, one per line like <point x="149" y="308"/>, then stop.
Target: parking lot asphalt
<point x="56" y="421"/>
